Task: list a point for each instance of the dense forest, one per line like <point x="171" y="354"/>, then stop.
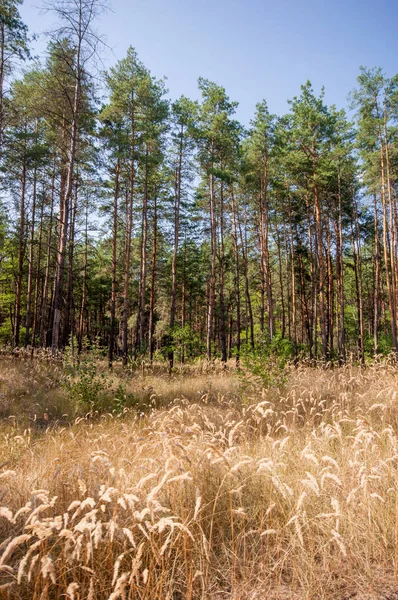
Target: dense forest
<point x="163" y="229"/>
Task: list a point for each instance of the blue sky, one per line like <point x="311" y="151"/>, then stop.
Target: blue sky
<point x="255" y="48"/>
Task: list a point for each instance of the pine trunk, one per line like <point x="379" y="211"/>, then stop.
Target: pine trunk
<point x="21" y="256"/>
<point x="177" y="205"/>
<point x="114" y="266"/>
<point x="212" y="282"/>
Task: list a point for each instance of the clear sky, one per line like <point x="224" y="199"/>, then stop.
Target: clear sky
<point x="255" y="48"/>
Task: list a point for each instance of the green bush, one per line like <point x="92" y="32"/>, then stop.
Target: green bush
<point x="265" y="366"/>
<point x="93" y="391"/>
<point x="82" y="382"/>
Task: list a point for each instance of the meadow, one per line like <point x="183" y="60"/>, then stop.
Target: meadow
<point x="198" y="485"/>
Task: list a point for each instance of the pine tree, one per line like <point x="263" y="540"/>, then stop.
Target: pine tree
<point x="14" y="45"/>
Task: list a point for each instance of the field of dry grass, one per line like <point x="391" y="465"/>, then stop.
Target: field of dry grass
<point x="219" y="494"/>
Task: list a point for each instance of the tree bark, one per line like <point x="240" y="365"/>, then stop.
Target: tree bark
<point x="43" y="306"/>
<point x="212" y="282"/>
<point x="152" y="299"/>
<point x="29" y="315"/>
<point x="177" y="206"/>
<point x="129" y="229"/>
<point x="223" y="321"/>
<point x="237" y="277"/>
<point x="65" y="210"/>
<point x="376" y="313"/>
<point x="84" y="286"/>
<point x="114" y="266"/>
<point x="21" y="254"/>
<point x="140" y="329"/>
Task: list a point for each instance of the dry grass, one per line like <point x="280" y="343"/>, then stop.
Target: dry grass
<point x="32" y="392"/>
<point x="286" y="494"/>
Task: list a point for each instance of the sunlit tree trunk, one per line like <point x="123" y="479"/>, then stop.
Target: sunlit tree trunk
<point x="21" y="253"/>
<point x="177" y="206"/>
<point x="29" y="315"/>
<point x="128" y="233"/>
<point x="152" y="298"/>
<point x="376" y="313"/>
<point x="44" y="298"/>
<point x="237" y="276"/>
<point x="84" y="284"/>
<point x="356" y="245"/>
<point x="114" y="266"/>
<point x="223" y="320"/>
<point x="140" y="335"/>
<point x="212" y="282"/>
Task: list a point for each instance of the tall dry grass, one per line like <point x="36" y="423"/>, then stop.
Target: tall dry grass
<point x="286" y="494"/>
<point x="32" y="392"/>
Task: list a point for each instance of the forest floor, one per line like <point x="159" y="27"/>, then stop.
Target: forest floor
<point x="197" y="485"/>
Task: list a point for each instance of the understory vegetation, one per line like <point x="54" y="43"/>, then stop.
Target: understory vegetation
<point x="200" y="484"/>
